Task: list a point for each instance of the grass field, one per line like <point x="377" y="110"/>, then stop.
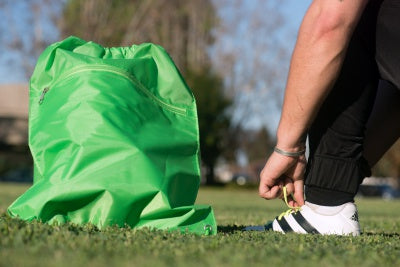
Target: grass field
<point x="35" y="244"/>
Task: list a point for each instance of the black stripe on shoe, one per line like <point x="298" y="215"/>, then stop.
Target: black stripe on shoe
<point x="284" y="225"/>
<point x="304" y="223"/>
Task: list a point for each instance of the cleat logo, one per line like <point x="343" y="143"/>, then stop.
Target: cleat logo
<point x="354" y="217"/>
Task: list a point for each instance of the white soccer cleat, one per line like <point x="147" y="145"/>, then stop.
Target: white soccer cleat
<point x="315" y="219"/>
<point x="309" y="221"/>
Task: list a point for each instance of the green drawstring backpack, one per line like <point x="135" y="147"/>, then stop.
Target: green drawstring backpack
<point x="114" y="137"/>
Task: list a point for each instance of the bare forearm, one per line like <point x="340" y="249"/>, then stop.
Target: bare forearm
<point x="316" y="61"/>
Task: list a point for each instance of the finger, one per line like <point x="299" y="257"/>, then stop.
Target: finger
<point x="288" y="182"/>
<point x="292" y="202"/>
<point x="289" y="191"/>
<point x="270" y="193"/>
<point x="299" y="192"/>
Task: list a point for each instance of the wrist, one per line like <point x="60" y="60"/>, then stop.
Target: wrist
<point x="291" y="143"/>
<point x="291" y="134"/>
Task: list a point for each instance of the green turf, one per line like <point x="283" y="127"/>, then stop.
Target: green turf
<point x="36" y="244"/>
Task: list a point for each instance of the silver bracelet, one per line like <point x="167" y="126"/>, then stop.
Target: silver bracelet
<point x="289" y="154"/>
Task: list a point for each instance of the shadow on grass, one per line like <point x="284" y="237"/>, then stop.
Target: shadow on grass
<point x="382" y="234"/>
<point x="230" y="229"/>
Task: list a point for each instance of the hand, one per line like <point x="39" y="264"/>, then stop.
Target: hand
<point x="282" y="171"/>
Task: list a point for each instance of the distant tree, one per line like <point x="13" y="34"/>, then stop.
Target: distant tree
<point x="184" y="29"/>
<point x="252" y="51"/>
<point x="259" y="144"/>
<point x="213" y="120"/>
<point x="27" y="27"/>
<point x="254" y="68"/>
<point x="389" y="164"/>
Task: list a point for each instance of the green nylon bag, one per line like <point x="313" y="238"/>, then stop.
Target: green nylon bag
<point x="114" y="137"/>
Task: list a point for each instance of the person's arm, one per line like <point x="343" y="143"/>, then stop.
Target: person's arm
<point x="317" y="58"/>
<point x="316" y="61"/>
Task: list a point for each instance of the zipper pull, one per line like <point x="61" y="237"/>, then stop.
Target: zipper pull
<point x="45" y="90"/>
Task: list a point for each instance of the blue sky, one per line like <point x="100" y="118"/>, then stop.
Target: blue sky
<point x="17" y="26"/>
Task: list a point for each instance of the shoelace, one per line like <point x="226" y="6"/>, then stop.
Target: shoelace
<point x="291" y="208"/>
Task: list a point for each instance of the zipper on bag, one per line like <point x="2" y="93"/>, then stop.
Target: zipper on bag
<point x="45" y="90"/>
<point x="117" y="71"/>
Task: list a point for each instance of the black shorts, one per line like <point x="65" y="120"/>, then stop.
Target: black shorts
<point x="336" y="166"/>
